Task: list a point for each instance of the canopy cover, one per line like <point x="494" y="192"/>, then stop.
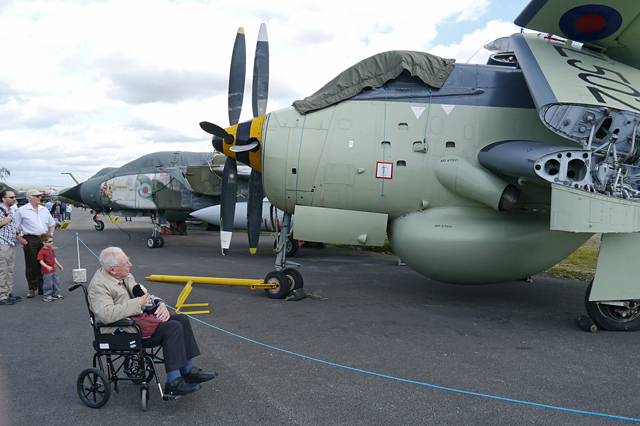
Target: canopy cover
<point x="375" y="72"/>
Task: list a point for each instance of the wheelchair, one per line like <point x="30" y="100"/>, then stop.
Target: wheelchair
<point x="119" y="356"/>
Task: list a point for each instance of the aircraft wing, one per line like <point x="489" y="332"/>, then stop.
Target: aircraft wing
<point x="580" y="94"/>
<point x="614" y="27"/>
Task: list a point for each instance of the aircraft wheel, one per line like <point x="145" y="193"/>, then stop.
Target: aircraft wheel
<point x="93" y="388"/>
<point x="282" y="289"/>
<point x="613" y="318"/>
<point x="159" y="242"/>
<point x="295" y="278"/>
<point x="182" y="228"/>
<point x="291" y="247"/>
<point x="151" y="242"/>
<point x="99" y="225"/>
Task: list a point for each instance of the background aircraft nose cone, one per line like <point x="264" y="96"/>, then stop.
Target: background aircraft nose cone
<point x="73" y="193"/>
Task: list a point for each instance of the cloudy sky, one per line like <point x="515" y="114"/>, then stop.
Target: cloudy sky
<point x="86" y="84"/>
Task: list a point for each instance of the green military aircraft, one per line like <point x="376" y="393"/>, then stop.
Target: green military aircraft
<point x="477" y="173"/>
<point x="165" y="186"/>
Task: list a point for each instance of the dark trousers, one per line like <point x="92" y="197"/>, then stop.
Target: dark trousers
<point x="33" y="270"/>
<point x="177" y="340"/>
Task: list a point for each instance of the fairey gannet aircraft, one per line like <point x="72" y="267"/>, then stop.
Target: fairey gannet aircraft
<point x="478" y="173"/>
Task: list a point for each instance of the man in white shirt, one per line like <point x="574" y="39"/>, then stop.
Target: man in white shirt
<point x="34" y="220"/>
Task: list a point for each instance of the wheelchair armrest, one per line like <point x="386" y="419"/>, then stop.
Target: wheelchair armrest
<point x="121" y="323"/>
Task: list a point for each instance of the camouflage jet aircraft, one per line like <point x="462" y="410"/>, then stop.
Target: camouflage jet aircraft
<point x="165" y="186"/>
<point x="478" y="173"/>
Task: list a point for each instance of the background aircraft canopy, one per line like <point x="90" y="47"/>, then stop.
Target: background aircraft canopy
<point x="374" y="72"/>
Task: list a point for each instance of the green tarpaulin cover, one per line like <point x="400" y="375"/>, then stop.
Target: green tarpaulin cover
<point x="375" y="72"/>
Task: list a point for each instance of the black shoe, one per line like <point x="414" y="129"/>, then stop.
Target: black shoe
<point x="180" y="387"/>
<point x="6" y="302"/>
<point x="196" y="375"/>
<point x="15" y="298"/>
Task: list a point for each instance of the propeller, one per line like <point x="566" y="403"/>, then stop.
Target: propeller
<point x="240" y="142"/>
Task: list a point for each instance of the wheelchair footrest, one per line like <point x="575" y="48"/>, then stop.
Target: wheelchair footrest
<point x="168" y="397"/>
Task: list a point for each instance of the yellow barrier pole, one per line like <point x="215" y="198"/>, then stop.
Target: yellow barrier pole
<point x="254" y="284"/>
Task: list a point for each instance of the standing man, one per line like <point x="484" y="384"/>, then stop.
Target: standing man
<point x="7" y="247"/>
<point x="34" y="220"/>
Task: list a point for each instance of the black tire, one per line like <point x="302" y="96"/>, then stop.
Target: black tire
<point x="99" y="225"/>
<point x="93" y="388"/>
<point x="151" y="242"/>
<point x="295" y="278"/>
<point x="144" y="397"/>
<point x="610" y="317"/>
<point x="291" y="247"/>
<point x="280" y="279"/>
<point x="159" y="242"/>
<point x="182" y="228"/>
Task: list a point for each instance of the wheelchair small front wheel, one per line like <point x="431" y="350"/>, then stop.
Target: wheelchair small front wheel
<point x="93" y="388"/>
<point x="144" y="397"/>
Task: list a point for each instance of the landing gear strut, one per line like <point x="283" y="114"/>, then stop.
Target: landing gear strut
<point x="285" y="276"/>
<point x="155" y="240"/>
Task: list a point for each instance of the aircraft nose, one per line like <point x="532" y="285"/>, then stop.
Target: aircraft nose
<point x="74" y="193"/>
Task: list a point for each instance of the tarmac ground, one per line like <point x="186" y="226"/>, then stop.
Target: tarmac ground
<point x="374" y="344"/>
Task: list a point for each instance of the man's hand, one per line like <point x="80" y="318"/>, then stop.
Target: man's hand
<point x="162" y="312"/>
<point x="145" y="300"/>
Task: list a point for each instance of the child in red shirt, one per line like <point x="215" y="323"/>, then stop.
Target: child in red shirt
<point x="48" y="261"/>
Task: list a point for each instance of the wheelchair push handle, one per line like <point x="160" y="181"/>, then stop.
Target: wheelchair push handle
<point x="74" y="287"/>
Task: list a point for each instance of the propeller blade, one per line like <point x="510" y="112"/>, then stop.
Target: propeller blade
<point x="216" y="130"/>
<point x="244" y="148"/>
<point x="236" y="77"/>
<point x="259" y="97"/>
<point x="254" y="210"/>
<point x="260" y="88"/>
<point x="228" y="202"/>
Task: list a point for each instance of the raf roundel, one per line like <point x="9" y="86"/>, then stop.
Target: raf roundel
<point x="145" y="190"/>
<point x="590" y="22"/>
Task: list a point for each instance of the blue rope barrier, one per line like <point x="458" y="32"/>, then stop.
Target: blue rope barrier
<point x="384" y="376"/>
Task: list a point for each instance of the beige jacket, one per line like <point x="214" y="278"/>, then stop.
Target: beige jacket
<point x="110" y="301"/>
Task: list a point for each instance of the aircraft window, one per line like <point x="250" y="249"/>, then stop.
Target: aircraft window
<point x="293" y="171"/>
<point x="451" y="145"/>
<point x="403" y="127"/>
<point x="386" y="144"/>
<point x="401" y="163"/>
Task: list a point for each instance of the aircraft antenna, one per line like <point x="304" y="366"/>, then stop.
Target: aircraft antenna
<point x="476" y="52"/>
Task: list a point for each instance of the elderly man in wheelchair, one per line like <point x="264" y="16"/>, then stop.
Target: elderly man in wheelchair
<point x="113" y="296"/>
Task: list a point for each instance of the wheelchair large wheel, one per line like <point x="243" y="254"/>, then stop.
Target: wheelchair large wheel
<point x="93" y="388"/>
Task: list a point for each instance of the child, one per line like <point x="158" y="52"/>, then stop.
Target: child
<point x="48" y="260"/>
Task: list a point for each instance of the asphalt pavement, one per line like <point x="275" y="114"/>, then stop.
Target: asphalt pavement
<point x="374" y="344"/>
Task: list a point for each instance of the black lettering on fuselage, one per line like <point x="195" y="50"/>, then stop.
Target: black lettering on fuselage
<point x="601" y="80"/>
